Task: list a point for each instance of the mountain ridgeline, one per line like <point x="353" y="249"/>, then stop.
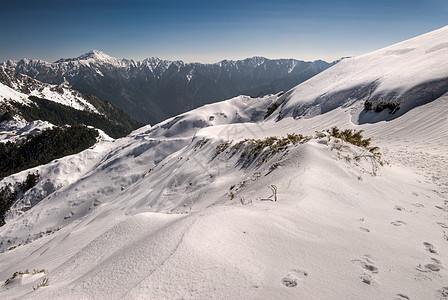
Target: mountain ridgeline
<point x="153" y="90"/>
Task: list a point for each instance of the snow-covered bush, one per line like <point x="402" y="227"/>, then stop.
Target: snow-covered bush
<point x="367" y="153"/>
<point x="353" y="137"/>
<point x="263" y="149"/>
<point x="44" y="283"/>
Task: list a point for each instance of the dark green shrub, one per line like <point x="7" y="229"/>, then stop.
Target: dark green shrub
<point x="393" y="107"/>
<point x="351" y="136"/>
<point x="271" y="109"/>
<point x="10" y="194"/>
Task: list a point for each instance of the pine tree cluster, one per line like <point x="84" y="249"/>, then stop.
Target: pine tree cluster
<point x="45" y="147"/>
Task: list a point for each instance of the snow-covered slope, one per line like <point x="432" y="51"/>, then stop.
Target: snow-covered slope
<point x="405" y="75"/>
<point x="22" y="97"/>
<point x="241" y="109"/>
<point x="184" y="209"/>
<point x="17" y="87"/>
<point x="126" y="161"/>
<point x="19" y="129"/>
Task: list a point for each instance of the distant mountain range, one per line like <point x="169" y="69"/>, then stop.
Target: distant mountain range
<point x="154" y="89"/>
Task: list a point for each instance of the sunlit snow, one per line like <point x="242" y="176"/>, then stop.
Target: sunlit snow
<point x="162" y="214"/>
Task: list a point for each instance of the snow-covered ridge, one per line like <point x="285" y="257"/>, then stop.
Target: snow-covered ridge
<point x="9" y="94"/>
<point x="71" y="66"/>
<point x="178" y="210"/>
<point x="405" y="75"/>
<point x="17" y="87"/>
<point x="18" y="129"/>
<point x="241" y="109"/>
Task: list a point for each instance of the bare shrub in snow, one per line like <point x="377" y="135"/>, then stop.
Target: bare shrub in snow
<point x="44" y="283"/>
<point x="274" y="190"/>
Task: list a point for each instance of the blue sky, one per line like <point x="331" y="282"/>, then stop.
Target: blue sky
<point x="209" y="31"/>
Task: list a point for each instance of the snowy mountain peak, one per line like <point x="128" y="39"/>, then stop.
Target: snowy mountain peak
<point x="97" y="55"/>
<point x="93" y="55"/>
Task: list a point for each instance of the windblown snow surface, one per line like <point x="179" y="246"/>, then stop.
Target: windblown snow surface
<point x="171" y="212"/>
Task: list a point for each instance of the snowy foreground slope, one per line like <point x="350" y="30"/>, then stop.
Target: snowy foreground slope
<point x="178" y="210"/>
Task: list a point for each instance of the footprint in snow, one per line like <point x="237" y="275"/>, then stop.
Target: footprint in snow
<point x="398" y="223"/>
<point x="364" y="229"/>
<point x="293" y="277"/>
<point x="418" y="205"/>
<point x="431" y="248"/>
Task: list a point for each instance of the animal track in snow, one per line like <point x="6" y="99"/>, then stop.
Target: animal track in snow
<point x="364" y="229"/>
<point x="428" y="268"/>
<point x="443" y="208"/>
<point x="401" y="297"/>
<point x="293" y="277"/>
<point x="435" y="266"/>
<point x="71" y="214"/>
<point x="443" y="225"/>
<point x="398" y="223"/>
<point x="366" y="266"/>
<point x="443" y="292"/>
<point x="398" y="207"/>
<point x="418" y="205"/>
<point x="366" y="278"/>
<point x="369" y="268"/>
<point x="431" y="248"/>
